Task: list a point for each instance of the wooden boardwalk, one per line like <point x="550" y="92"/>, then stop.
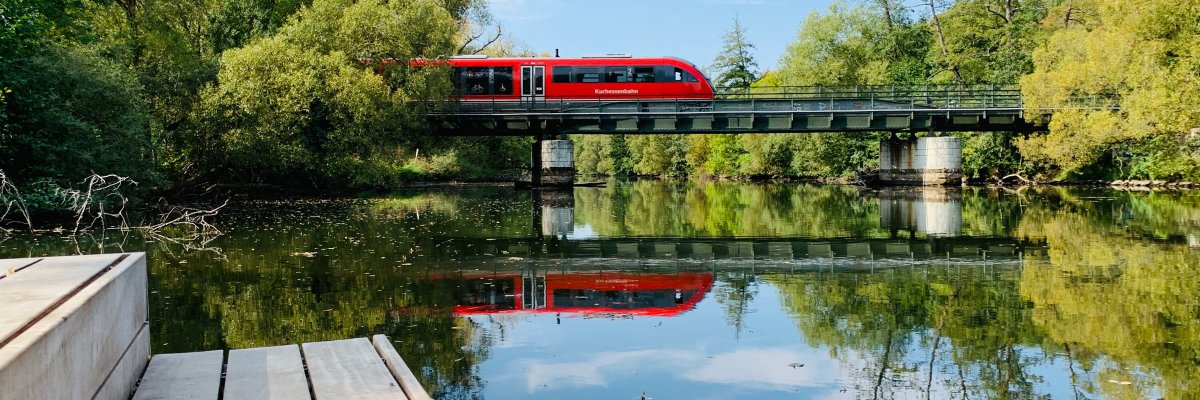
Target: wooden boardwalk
<point x="344" y="369"/>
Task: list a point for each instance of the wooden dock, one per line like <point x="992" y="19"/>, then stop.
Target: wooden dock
<point x="76" y="328"/>
<point x="353" y="369"/>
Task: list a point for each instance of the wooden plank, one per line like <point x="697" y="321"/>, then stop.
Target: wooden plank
<point x="349" y="369"/>
<point x="408" y="382"/>
<point x="31" y="293"/>
<point x="266" y="373"/>
<point x="125" y="374"/>
<point x="183" y="376"/>
<point x="79" y="342"/>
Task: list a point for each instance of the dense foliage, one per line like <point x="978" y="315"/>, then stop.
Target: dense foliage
<point x="315" y="94"/>
<point x="1147" y="55"/>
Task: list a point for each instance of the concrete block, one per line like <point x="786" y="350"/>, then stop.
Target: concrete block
<point x="90" y="338"/>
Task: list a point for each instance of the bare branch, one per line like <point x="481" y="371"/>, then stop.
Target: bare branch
<point x="499" y="32"/>
<point x="473" y="38"/>
<point x="91" y="202"/>
<point x="11" y="197"/>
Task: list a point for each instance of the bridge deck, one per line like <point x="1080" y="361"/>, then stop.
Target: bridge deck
<point x="771" y="110"/>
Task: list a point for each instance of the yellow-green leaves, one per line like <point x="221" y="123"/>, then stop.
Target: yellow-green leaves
<point x="1141" y="55"/>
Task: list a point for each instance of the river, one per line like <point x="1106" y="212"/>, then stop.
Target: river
<point x="692" y="290"/>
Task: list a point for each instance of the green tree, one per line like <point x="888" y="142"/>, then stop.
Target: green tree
<point x="725" y="155"/>
<point x="304" y="96"/>
<point x="849" y="45"/>
<point x="73" y="112"/>
<point x="1142" y="55"/>
<point x="990" y="41"/>
<point x="659" y="155"/>
<point x="734" y="66"/>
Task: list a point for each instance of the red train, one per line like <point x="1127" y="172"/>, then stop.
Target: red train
<point x="620" y="77"/>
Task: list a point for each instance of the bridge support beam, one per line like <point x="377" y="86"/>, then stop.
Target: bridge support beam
<point x="929" y="161"/>
<point x="554" y="163"/>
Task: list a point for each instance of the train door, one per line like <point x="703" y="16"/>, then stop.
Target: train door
<point x="533" y="84"/>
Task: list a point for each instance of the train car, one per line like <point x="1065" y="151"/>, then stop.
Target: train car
<point x="609" y="77"/>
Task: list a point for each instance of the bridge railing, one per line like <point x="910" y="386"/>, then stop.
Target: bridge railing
<point x="784" y="99"/>
<point x="937" y="96"/>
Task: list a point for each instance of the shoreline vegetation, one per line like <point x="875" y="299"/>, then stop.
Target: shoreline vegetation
<point x="184" y="96"/>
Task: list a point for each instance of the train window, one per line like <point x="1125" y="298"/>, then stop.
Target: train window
<point x="664" y="73"/>
<point x="476" y="80"/>
<point x="684" y="76"/>
<point x="589" y="74"/>
<point x="643" y="74"/>
<point x="616" y="74"/>
<point x="503" y="80"/>
<point x="457" y="78"/>
<point x="562" y="74"/>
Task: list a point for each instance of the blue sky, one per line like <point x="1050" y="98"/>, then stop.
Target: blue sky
<point x="691" y="29"/>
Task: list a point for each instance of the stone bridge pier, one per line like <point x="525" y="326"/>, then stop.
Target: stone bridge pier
<point x="928" y="161"/>
<point x="553" y="162"/>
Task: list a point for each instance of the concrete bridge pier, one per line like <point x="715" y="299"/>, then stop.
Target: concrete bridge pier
<point x="553" y="162"/>
<point x="928" y="161"/>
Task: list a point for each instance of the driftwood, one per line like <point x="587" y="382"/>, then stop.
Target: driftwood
<point x="100" y="206"/>
<point x="97" y="200"/>
<point x="11" y="197"/>
<point x="1013" y="178"/>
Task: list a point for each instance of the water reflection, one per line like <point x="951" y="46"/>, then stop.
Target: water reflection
<point x="707" y="289"/>
<point x="588" y="293"/>
<point x="554" y="212"/>
<point x="934" y="211"/>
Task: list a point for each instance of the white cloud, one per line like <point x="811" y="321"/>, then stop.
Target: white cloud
<point x="752" y="367"/>
<point x="766" y="367"/>
<point x="596" y="370"/>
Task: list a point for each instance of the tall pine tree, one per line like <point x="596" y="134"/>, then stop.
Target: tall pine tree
<point x="735" y="66"/>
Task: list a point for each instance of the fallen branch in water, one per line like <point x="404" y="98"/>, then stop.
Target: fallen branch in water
<point x="11" y="197"/>
<point x="93" y="201"/>
<point x="1014" y="177"/>
<point x="188" y="217"/>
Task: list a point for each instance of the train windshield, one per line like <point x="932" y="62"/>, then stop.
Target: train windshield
<point x="684" y="76"/>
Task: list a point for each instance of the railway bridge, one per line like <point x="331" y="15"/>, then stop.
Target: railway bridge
<point x="932" y="109"/>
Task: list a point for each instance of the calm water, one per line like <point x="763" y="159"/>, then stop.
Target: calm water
<point x="689" y="290"/>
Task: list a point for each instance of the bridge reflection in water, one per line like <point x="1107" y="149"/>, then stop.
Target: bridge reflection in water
<point x="560" y="269"/>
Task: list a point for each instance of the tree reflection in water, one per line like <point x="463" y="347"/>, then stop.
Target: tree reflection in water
<point x="1098" y="298"/>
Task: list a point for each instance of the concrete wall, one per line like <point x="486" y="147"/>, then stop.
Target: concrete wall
<point x="558" y="163"/>
<point x="74" y="328"/>
<point x="934" y="161"/>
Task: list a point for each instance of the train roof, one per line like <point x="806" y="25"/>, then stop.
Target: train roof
<point x="603" y="57"/>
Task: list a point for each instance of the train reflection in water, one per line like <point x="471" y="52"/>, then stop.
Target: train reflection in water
<point x="585" y="293"/>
